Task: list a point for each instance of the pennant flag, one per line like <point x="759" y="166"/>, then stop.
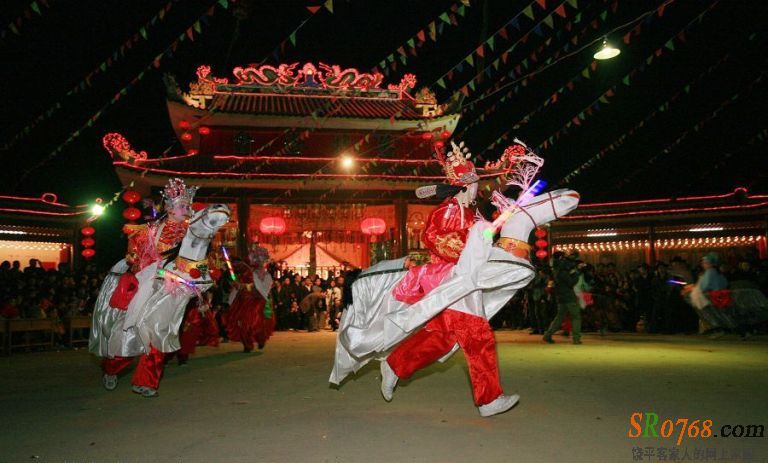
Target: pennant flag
<point x="537" y="30"/>
<point x="441" y="82"/>
<point x="328" y="5"/>
<point x="36" y="8"/>
<point x="292" y="38"/>
<point x="480" y="52"/>
<point x="560" y="11"/>
<point x="432" y="31"/>
<point x="491" y="42"/>
<point x="670" y="45"/>
<point x="573" y="3"/>
<point x="313" y="9"/>
<point x="461" y="11"/>
<point x="421" y="36"/>
<point x="585" y="73"/>
<point x="470" y="60"/>
<point x="542" y="4"/>
<point x="625" y="81"/>
<point x="515" y="23"/>
<point x="197" y="27"/>
<point x="444" y="17"/>
<point x="411" y="43"/>
<point x="549" y="21"/>
<point x="224" y="4"/>
<point x="528" y="11"/>
<point x="190" y="34"/>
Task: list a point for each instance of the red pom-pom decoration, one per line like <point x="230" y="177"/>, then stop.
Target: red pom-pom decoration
<point x="215" y="274"/>
<point x="542" y="254"/>
<point x="184" y="124"/>
<point x="541" y="243"/>
<point x="87" y="231"/>
<point x="88" y="242"/>
<point x="204" y="130"/>
<point x="186" y="136"/>
<point x="131" y="197"/>
<point x="131" y="213"/>
<point x="541" y="233"/>
<point x="195" y="273"/>
<point x="88" y="253"/>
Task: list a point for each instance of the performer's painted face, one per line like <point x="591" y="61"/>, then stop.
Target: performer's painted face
<point x="179" y="212"/>
<point x="466" y="198"/>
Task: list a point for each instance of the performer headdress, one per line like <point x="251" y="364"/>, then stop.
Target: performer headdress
<point x="459" y="170"/>
<point x="176" y="193"/>
<point x="258" y="255"/>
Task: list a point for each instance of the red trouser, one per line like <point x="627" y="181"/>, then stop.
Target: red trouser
<point x="147" y="373"/>
<point x="429" y="344"/>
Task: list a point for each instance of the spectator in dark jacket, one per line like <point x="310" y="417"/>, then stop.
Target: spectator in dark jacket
<point x="566" y="275"/>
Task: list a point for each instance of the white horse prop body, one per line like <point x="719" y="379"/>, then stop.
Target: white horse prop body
<point x="155" y="313"/>
<point x="483" y="280"/>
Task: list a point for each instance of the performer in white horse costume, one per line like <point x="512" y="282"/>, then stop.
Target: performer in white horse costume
<point x="408" y="335"/>
<point x="141" y="304"/>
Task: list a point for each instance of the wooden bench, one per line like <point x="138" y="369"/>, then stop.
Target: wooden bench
<point x="74" y="323"/>
<point x="28" y="326"/>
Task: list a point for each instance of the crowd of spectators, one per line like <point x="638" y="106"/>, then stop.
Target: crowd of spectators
<point x="641" y="298"/>
<point x="35" y="293"/>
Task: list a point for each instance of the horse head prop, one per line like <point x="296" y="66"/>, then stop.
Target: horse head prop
<point x="540" y="210"/>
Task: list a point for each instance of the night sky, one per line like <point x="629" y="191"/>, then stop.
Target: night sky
<point x="702" y="102"/>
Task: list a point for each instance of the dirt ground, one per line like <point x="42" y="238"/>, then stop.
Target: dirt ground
<point x="277" y="406"/>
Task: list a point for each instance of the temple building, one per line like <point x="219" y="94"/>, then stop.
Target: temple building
<point x="317" y="161"/>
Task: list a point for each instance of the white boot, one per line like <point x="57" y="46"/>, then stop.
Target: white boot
<point x="109" y="382"/>
<point x="500" y="405"/>
<point x="388" y="380"/>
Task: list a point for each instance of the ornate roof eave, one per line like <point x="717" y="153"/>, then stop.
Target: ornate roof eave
<point x="144" y="178"/>
<point x="181" y="112"/>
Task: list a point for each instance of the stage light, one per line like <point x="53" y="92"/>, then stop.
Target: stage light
<point x="347" y="161"/>
<point x="607" y="51"/>
<point x="97" y="210"/>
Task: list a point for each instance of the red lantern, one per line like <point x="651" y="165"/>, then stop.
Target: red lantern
<point x="426" y="135"/>
<point x="88" y="242"/>
<point x="87" y="231"/>
<point x="184" y="124"/>
<point x="131" y="197"/>
<point x="191" y="152"/>
<point x="542" y="254"/>
<point x="541" y="243"/>
<point x="439" y="145"/>
<point x="195" y="273"/>
<point x="373" y="226"/>
<point x="131" y="213"/>
<point x="88" y="253"/>
<point x="541" y="233"/>
<point x="272" y="226"/>
<point x="445" y="134"/>
<point x="204" y="130"/>
<point x="186" y="136"/>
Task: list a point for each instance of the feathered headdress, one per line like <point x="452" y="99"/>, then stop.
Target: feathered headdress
<point x="459" y="170"/>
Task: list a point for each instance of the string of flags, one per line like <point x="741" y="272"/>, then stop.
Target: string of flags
<point x="15" y="26"/>
<point x="565" y="48"/>
<point x="619" y="141"/>
<point x="291" y="39"/>
<point x="503" y="33"/>
<point x="188" y="34"/>
<point x="433" y="30"/>
<point x="87" y="81"/>
<point x="696" y="128"/>
<point x="602" y="100"/>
